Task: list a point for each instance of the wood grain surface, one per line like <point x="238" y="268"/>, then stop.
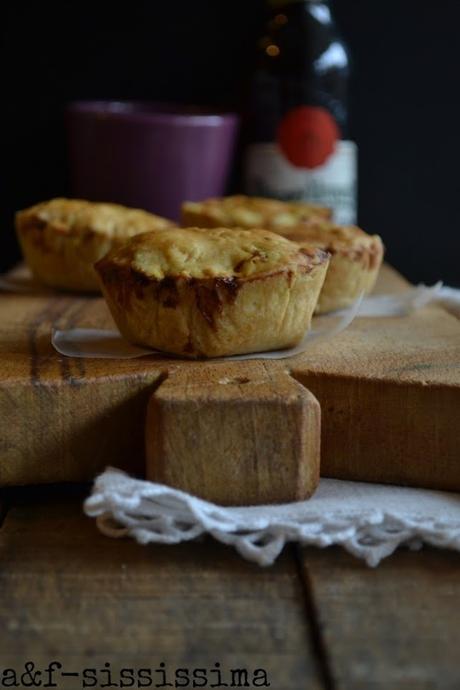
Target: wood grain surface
<point x="389" y="391"/>
<point x="63" y="419"/>
<point x="393" y="627"/>
<point x="240" y="434"/>
<point x="318" y="619"/>
<point x="69" y="594"/>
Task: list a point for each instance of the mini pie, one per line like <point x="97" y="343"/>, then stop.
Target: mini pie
<point x="248" y="212"/>
<point x="356" y="258"/>
<point x="61" y="239"/>
<point x="210" y="293"/>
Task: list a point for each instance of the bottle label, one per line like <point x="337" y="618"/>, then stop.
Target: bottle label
<point x="269" y="173"/>
<point x="307" y="135"/>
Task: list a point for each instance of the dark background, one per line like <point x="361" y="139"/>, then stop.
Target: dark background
<point x="405" y="100"/>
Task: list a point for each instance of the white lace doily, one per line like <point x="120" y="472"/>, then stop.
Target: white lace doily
<point x="368" y="520"/>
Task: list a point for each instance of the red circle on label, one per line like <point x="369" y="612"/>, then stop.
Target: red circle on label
<point x="307" y="136"/>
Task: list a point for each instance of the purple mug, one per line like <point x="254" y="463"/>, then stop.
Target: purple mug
<point x="149" y="155"/>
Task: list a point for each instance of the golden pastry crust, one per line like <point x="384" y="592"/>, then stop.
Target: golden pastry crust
<point x="61" y="239"/>
<point x="248" y="212"/>
<point x="212" y="293"/>
<point x="356" y="258"/>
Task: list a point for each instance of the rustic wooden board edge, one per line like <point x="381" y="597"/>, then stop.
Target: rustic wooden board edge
<point x="95" y="432"/>
<point x="248" y="435"/>
<point x="409" y="425"/>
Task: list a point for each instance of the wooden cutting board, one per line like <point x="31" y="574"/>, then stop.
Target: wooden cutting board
<point x="389" y="391"/>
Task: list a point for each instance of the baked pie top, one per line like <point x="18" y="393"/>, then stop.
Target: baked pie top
<point x="79" y="217"/>
<point x="198" y="253"/>
<point x="250" y="212"/>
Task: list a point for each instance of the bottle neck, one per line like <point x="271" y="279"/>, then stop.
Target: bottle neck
<point x="297" y="10"/>
<point x="302" y="61"/>
<point x="279" y="4"/>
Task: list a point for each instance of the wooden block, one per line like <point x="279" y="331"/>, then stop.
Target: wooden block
<point x="383" y="431"/>
<point x="234" y="434"/>
<point x="64" y="419"/>
<point x="389" y="390"/>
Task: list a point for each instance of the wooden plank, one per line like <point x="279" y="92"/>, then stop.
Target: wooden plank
<point x="248" y="434"/>
<point x="70" y="594"/>
<point x="396" y="626"/>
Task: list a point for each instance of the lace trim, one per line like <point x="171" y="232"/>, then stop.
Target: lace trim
<point x="155" y="513"/>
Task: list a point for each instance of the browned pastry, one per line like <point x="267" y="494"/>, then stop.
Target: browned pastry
<point x="210" y="293"/>
<point x="356" y="258"/>
<point x="249" y="212"/>
<point x="61" y="239"/>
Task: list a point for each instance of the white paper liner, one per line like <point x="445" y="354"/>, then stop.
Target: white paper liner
<point x="95" y="343"/>
<point x="401" y="303"/>
<point x="449" y="298"/>
<point x="105" y="344"/>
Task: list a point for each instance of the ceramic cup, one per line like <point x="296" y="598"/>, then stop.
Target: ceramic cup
<point x="148" y="155"/>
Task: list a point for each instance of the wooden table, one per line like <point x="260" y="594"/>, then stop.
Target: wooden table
<point x="318" y="619"/>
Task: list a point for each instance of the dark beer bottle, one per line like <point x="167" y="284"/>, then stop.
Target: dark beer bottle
<point x="297" y="122"/>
